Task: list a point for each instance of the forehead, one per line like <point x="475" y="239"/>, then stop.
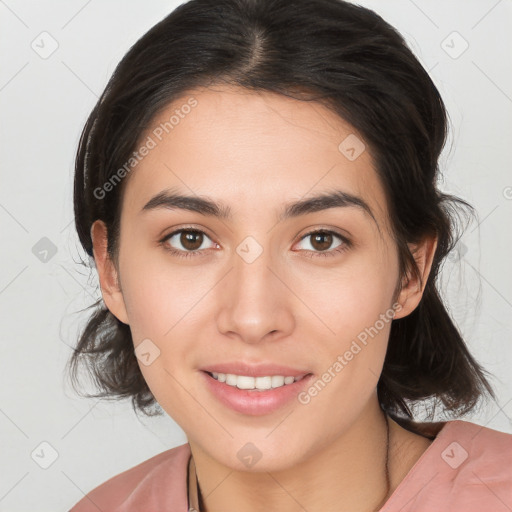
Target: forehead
<point x="256" y="148"/>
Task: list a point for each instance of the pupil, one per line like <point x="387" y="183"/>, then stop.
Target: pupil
<point x="187" y="240"/>
<point x="320" y="236"/>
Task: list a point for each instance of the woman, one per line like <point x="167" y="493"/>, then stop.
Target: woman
<point x="257" y="187"/>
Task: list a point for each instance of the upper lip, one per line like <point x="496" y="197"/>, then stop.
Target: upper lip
<point x="255" y="370"/>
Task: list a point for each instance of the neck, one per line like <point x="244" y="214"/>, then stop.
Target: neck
<point x="349" y="474"/>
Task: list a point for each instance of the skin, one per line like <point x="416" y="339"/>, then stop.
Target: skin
<point x="255" y="152"/>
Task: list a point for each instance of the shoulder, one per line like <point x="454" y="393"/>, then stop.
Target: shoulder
<point x="468" y="467"/>
<point x="476" y="468"/>
<point x="159" y="482"/>
<point x="480" y="448"/>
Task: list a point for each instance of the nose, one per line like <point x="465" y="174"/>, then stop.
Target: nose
<point x="255" y="302"/>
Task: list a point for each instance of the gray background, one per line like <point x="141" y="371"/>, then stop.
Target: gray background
<point x="44" y="102"/>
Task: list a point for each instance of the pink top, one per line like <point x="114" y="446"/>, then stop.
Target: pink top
<point x="466" y="468"/>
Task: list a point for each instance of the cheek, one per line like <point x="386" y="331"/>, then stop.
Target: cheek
<point x="165" y="305"/>
<point x="353" y="303"/>
<point x="161" y="303"/>
<point x="161" y="297"/>
<point x="350" y="296"/>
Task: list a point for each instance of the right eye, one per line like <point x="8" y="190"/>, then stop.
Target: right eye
<point x="190" y="239"/>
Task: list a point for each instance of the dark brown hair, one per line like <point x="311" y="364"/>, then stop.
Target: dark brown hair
<point x="330" y="51"/>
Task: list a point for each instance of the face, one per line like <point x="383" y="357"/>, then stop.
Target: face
<point x="255" y="286"/>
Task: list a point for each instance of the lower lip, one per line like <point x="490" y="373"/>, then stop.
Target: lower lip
<point x="254" y="402"/>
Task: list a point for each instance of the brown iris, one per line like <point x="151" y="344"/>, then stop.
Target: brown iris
<point x="321" y="240"/>
<point x="191" y="240"/>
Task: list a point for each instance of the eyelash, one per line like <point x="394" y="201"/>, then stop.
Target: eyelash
<point x="346" y="244"/>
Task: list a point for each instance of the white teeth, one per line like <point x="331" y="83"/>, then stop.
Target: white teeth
<point x="277" y="381"/>
<point x="260" y="383"/>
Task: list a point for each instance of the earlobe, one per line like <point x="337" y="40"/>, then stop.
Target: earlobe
<point x="107" y="273"/>
<point x="412" y="287"/>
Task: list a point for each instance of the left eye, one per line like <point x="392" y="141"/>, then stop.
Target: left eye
<point x="322" y="240"/>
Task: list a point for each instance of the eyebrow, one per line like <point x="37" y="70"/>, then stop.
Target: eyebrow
<point x="167" y="199"/>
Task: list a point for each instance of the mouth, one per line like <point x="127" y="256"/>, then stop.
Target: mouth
<point x="260" y="383"/>
<point x="262" y="369"/>
<point x="255" y="396"/>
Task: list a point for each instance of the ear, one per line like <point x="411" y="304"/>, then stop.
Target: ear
<point x="107" y="273"/>
<point x="412" y="287"/>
